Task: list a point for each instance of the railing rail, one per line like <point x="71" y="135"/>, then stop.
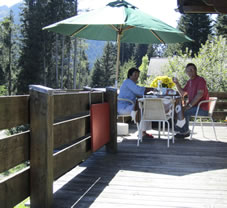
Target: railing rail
<point x="57" y="140"/>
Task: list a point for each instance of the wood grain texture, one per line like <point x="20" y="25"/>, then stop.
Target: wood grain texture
<point x="14" y="150"/>
<point x="15" y="189"/>
<point x="220" y="95"/>
<point x="67" y="131"/>
<point x="67" y="105"/>
<point x="111" y="98"/>
<point x="189" y="174"/>
<point x="41" y="151"/>
<point x="14" y="111"/>
<point x="71" y="156"/>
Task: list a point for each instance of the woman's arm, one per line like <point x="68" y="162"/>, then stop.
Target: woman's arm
<point x="148" y="89"/>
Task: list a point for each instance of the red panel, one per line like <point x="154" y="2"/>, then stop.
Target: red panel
<point x="100" y="125"/>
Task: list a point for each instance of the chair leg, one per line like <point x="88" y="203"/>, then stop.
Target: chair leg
<point x="214" y="129"/>
<point x="202" y="127"/>
<point x="173" y="139"/>
<point x="159" y="127"/>
<point x="193" y="126"/>
<point x="168" y="134"/>
<point x="139" y="127"/>
<point x="163" y="127"/>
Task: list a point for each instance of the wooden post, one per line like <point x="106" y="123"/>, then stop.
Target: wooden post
<point x="111" y="98"/>
<point x="41" y="149"/>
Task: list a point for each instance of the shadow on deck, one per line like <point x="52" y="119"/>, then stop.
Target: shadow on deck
<point x="188" y="174"/>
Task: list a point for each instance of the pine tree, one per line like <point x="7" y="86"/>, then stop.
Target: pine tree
<point x="9" y="51"/>
<point x="197" y="27"/>
<point x="221" y="25"/>
<point x="97" y="75"/>
<point x="140" y="51"/>
<point x="103" y="73"/>
<point x="126" y="52"/>
<point x="37" y="61"/>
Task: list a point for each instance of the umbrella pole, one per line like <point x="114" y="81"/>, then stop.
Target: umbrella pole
<point x="118" y="57"/>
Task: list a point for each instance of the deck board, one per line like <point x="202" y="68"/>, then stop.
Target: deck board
<point x="188" y="174"/>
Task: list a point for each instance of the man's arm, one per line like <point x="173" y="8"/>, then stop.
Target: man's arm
<point x="179" y="88"/>
<point x="196" y="99"/>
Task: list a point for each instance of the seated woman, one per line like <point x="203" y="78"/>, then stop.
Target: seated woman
<point x="130" y="90"/>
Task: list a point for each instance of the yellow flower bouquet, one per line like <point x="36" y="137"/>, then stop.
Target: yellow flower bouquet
<point x="165" y="80"/>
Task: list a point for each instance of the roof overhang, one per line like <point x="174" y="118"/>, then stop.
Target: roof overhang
<point x="202" y="6"/>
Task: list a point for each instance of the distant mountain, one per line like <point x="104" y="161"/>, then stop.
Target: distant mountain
<point x="4" y="11"/>
<point x="94" y="51"/>
<point x="95" y="48"/>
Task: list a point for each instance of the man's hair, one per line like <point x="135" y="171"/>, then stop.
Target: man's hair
<point x="132" y="70"/>
<point x="191" y="64"/>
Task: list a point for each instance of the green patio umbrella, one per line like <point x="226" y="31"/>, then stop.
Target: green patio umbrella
<point x="119" y="21"/>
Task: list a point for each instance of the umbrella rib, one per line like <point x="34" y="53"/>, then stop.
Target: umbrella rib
<point x="157" y="37"/>
<point x="115" y="28"/>
<point x="78" y="31"/>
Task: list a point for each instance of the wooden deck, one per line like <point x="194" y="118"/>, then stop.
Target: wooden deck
<point x="188" y="174"/>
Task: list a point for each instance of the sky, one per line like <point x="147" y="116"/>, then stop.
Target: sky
<point x="161" y="9"/>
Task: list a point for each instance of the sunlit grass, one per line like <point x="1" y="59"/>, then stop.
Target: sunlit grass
<point x="22" y="204"/>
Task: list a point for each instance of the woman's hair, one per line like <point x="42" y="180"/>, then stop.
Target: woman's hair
<point x="132" y="70"/>
<point x="191" y="64"/>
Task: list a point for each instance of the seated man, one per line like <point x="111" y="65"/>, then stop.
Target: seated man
<point x="130" y="90"/>
<point x="197" y="91"/>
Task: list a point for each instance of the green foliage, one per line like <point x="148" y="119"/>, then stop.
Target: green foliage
<point x="103" y="73"/>
<point x="198" y="27"/>
<point x="15" y="169"/>
<point x="18" y="129"/>
<point x="3" y="90"/>
<point x="221" y="25"/>
<point x="8" y="52"/>
<point x="140" y="51"/>
<point x="124" y="70"/>
<point x="143" y="70"/>
<point x="211" y="63"/>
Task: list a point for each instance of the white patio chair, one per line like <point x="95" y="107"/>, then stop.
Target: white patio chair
<point x="152" y="109"/>
<point x="126" y="115"/>
<point x="212" y="102"/>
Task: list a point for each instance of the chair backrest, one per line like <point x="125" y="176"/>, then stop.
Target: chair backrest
<point x="212" y="103"/>
<point x="154" y="109"/>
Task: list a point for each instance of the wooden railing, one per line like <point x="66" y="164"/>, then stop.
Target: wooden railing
<point x="57" y="140"/>
<point x="220" y="111"/>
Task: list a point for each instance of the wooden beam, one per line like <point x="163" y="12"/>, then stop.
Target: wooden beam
<point x="19" y="144"/>
<point x="198" y="9"/>
<point x="13" y="111"/>
<point x="67" y="131"/>
<point x="14" y="189"/>
<point x="41" y="155"/>
<point x="68" y="105"/>
<point x="111" y="98"/>
<point x="71" y="156"/>
<point x="219" y="95"/>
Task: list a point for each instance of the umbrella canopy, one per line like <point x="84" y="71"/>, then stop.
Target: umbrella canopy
<point x="119" y="21"/>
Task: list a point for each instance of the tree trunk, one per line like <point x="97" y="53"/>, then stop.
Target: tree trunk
<point x="56" y="60"/>
<point x="9" y="65"/>
<point x="75" y="53"/>
<point x="62" y="61"/>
